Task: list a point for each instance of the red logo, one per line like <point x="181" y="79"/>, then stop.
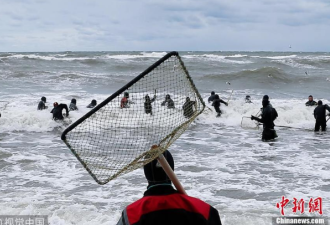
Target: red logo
<point x="314" y="205"/>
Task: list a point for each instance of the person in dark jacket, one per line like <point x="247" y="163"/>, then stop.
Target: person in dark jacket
<point x="211" y="98"/>
<point x="147" y="104"/>
<point x="163" y="205"/>
<point x="216" y="104"/>
<point x="41" y="105"/>
<point x="92" y="104"/>
<point x="187" y="107"/>
<point x="169" y="102"/>
<point x="73" y="105"/>
<point x="268" y="115"/>
<point x="57" y="111"/>
<point x="320" y="116"/>
<point x="310" y="101"/>
<point x="248" y="99"/>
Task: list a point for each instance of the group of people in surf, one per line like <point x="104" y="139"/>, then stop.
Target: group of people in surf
<point x="269" y="114"/>
<point x="58" y="108"/>
<point x="187" y="107"/>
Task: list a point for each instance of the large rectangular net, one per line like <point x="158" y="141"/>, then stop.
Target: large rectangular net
<point x="137" y="123"/>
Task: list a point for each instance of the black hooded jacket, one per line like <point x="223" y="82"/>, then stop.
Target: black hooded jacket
<point x="147" y="104"/>
<point x="216" y="103"/>
<point x="211" y="98"/>
<point x="169" y="102"/>
<point x="311" y="103"/>
<point x="57" y="111"/>
<point x="268" y="115"/>
<point x="73" y="105"/>
<point x="41" y="105"/>
<point x="320" y="112"/>
<point x="163" y="205"/>
<point x="187" y="107"/>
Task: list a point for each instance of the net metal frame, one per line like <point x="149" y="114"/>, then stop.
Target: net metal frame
<point x="110" y="141"/>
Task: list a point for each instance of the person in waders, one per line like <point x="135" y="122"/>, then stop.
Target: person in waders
<point x="268" y="115"/>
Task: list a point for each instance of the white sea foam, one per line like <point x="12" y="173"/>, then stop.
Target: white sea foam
<point x="219" y="58"/>
<point x="280" y="57"/>
<point x="215" y="159"/>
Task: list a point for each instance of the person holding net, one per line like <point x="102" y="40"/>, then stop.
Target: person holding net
<point x="162" y="204"/>
<point x="268" y="116"/>
<point x="147" y="104"/>
<point x="109" y="144"/>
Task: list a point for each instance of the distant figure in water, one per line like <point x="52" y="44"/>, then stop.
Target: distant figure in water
<point x="216" y="104"/>
<point x="310" y="101"/>
<point x="169" y="102"/>
<point x="320" y="116"/>
<point x="125" y="102"/>
<point x="57" y="111"/>
<point x="73" y="105"/>
<point x="147" y="104"/>
<point x="248" y="99"/>
<point x="268" y="115"/>
<point x="188" y="110"/>
<point x="41" y="105"/>
<point x="92" y="104"/>
<point x="211" y="98"/>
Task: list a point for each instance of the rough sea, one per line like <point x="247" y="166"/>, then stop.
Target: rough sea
<point x="219" y="160"/>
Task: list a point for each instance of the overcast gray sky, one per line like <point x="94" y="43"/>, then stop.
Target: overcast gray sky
<point x="152" y="25"/>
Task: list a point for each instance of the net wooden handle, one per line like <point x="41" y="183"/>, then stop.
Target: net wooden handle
<point x="168" y="170"/>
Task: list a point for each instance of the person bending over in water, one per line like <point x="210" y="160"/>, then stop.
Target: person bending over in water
<point x="216" y="104"/>
<point x="320" y="116"/>
<point x="310" y="101"/>
<point x="248" y="99"/>
<point x="147" y="104"/>
<point x="57" y="111"/>
<point x="41" y="105"/>
<point x="169" y="102"/>
<point x="92" y="104"/>
<point x="268" y="115"/>
<point x="73" y="105"/>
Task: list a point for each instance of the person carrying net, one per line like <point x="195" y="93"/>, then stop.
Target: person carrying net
<point x="161" y="204"/>
<point x="110" y="142"/>
<point x="147" y="104"/>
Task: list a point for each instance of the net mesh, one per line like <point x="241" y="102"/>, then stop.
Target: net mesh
<point x="152" y="110"/>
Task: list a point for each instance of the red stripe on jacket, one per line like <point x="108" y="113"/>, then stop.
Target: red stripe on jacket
<point x="174" y="201"/>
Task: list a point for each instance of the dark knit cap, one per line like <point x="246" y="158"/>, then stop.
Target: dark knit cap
<point x="266" y="97"/>
<point x="154" y="171"/>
